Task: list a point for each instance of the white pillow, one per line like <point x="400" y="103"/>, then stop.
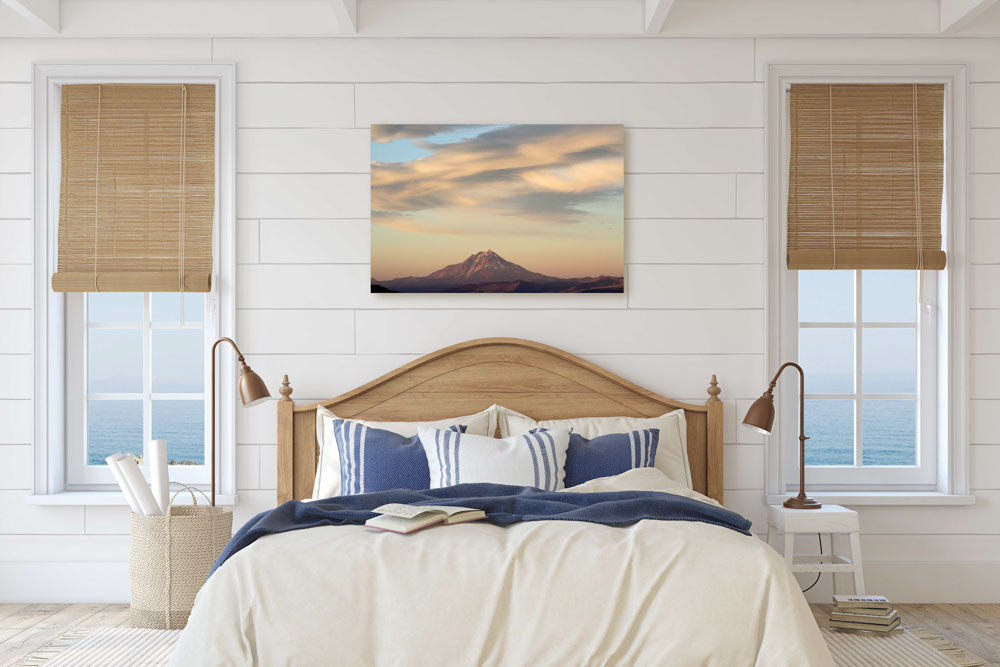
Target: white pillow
<point x="671" y="452"/>
<point x="536" y="459"/>
<point x="327" y="482"/>
<point x="639" y="479"/>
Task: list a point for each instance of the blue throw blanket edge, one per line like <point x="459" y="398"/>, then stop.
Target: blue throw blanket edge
<point x="503" y="504"/>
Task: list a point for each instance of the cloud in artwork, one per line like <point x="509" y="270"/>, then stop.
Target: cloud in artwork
<point x="545" y="173"/>
<point x="385" y="133"/>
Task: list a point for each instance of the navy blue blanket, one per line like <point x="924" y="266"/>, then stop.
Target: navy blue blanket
<point x="503" y="505"/>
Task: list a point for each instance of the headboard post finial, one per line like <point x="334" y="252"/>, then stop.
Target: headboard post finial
<point x="713" y="446"/>
<point x="286" y="443"/>
<point x="713" y="389"/>
<point x="285" y="390"/>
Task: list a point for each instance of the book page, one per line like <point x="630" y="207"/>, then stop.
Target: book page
<point x="450" y="511"/>
<point x="398" y="524"/>
<point x="406" y="511"/>
<point x="878" y="599"/>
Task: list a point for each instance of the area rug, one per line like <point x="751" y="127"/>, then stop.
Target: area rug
<point x="101" y="647"/>
<point x="914" y="648"/>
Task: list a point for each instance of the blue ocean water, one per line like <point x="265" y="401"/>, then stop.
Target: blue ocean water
<point x="888" y="432"/>
<point x="116" y="426"/>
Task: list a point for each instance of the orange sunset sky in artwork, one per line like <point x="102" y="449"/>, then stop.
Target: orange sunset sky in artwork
<point x="547" y="197"/>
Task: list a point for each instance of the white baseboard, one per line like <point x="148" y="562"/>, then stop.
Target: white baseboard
<point x="64" y="582"/>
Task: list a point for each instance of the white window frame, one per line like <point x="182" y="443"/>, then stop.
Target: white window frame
<point x="80" y="475"/>
<point x="51" y="482"/>
<point x="946" y="312"/>
<point x="923" y="475"/>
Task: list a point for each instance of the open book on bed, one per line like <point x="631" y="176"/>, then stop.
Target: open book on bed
<point x="402" y="518"/>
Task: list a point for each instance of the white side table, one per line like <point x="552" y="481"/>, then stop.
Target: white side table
<point x="832" y="519"/>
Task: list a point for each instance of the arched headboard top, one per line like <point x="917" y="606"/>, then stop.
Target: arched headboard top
<point x="541" y="381"/>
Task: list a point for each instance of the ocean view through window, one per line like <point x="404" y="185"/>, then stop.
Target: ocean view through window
<point x="145" y="374"/>
<point x="858" y="341"/>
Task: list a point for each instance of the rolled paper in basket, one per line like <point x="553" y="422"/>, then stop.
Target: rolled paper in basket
<point x="158" y="474"/>
<point x="122" y="483"/>
<point x="136" y="482"/>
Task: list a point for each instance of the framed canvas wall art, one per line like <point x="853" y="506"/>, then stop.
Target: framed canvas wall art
<point x="498" y="208"/>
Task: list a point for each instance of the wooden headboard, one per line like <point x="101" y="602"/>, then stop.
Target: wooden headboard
<point x="540" y="381"/>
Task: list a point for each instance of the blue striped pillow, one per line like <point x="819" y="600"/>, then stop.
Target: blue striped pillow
<point x="372" y="459"/>
<point x="610" y="454"/>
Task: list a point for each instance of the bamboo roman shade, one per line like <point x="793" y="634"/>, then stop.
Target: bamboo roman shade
<point x="137" y="192"/>
<point x="866" y="176"/>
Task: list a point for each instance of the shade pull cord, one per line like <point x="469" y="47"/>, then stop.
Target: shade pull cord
<point x="920" y="226"/>
<point x="833" y="205"/>
<point x="791" y="231"/>
<point x="180" y="241"/>
<point x="97" y="181"/>
<point x="916" y="183"/>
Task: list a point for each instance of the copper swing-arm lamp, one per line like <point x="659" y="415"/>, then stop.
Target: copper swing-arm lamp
<point x="760" y="417"/>
<point x="252" y="391"/>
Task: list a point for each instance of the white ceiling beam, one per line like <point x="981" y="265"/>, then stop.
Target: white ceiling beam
<point x="958" y="14"/>
<point x="347" y="14"/>
<point x="44" y="13"/>
<point x="656" y="15"/>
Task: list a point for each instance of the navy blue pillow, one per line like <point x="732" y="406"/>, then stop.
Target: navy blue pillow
<point x="372" y="459"/>
<point x="610" y="454"/>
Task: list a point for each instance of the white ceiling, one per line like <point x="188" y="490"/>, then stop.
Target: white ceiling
<point x="459" y="18"/>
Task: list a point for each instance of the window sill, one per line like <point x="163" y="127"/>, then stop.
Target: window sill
<point x="850" y="498"/>
<point x="112" y="498"/>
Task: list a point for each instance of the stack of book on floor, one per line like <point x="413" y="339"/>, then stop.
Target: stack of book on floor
<point x="865" y="613"/>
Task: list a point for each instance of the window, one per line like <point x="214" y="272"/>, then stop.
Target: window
<point x="116" y="369"/>
<point x="136" y="371"/>
<point x="862" y="339"/>
<point x="883" y="349"/>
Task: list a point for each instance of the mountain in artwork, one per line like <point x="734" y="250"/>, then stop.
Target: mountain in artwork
<point x="487" y="271"/>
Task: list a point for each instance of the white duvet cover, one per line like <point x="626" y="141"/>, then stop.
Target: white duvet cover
<point x="538" y="593"/>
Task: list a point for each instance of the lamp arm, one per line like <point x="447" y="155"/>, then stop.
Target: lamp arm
<point x="802" y="395"/>
<point x="239" y="355"/>
<point x="783" y="366"/>
<point x="802" y="422"/>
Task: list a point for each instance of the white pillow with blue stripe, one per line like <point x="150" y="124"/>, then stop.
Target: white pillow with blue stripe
<point x="373" y="459"/>
<point x="671" y="454"/>
<point x="328" y="472"/>
<point x="532" y="459"/>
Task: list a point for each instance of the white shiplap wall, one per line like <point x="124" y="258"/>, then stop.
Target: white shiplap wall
<point x="694" y="113"/>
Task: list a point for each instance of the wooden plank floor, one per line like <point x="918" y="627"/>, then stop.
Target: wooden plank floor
<point x="974" y="627"/>
<point x="26" y="627"/>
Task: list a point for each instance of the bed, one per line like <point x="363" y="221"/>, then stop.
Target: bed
<point x="544" y="592"/>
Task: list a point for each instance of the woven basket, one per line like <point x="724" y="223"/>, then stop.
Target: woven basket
<point x="170" y="559"/>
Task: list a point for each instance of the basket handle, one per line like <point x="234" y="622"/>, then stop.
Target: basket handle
<point x="189" y="489"/>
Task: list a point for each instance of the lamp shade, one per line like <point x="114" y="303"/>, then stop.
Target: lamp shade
<point x="252" y="388"/>
<point x="760" y="416"/>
